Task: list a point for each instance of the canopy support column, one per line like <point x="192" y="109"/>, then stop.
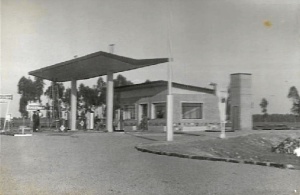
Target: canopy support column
<point x="170" y="131"/>
<point x="73" y="104"/>
<point x="109" y="101"/>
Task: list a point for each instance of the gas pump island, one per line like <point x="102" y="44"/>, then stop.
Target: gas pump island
<point x="90" y="66"/>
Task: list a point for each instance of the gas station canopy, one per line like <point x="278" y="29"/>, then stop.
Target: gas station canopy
<point x="89" y="66"/>
<point x="92" y="65"/>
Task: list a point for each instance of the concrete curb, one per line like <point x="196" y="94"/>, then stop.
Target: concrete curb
<point x="231" y="160"/>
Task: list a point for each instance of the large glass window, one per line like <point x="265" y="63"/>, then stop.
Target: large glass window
<point x="192" y="110"/>
<point x="159" y="110"/>
<point x="129" y="112"/>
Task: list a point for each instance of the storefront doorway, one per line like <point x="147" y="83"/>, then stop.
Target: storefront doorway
<point x="143" y="111"/>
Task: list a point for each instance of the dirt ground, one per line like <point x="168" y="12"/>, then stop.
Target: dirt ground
<point x="253" y="147"/>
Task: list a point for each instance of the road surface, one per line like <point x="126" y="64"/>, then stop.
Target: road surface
<point x="108" y="163"/>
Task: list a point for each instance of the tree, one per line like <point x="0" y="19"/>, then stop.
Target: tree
<point x="121" y="81"/>
<point x="118" y="82"/>
<point x="67" y="97"/>
<point x="101" y="91"/>
<point x="56" y="96"/>
<point x="59" y="87"/>
<point x="92" y="96"/>
<point x="86" y="94"/>
<point x="293" y="95"/>
<point x="100" y="84"/>
<point x="264" y="105"/>
<point x="39" y="87"/>
<point x="29" y="91"/>
<point x="22" y="107"/>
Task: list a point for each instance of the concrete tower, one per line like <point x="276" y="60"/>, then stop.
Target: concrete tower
<point x="241" y="101"/>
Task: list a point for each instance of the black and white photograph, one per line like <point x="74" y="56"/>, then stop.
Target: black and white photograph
<point x="150" y="97"/>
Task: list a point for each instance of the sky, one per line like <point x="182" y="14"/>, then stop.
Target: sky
<point x="209" y="40"/>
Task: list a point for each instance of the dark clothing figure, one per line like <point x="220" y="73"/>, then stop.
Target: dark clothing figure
<point x="36" y="121"/>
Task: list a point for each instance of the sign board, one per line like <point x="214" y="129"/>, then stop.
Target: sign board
<point x="64" y="115"/>
<point x="8" y="117"/>
<point x="81" y="123"/>
<point x="34" y="107"/>
<point x="4" y="98"/>
<point x="62" y="128"/>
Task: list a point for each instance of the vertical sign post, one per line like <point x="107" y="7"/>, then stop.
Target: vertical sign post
<point x="6" y="98"/>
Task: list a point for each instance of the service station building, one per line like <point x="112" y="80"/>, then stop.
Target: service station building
<point x="194" y="108"/>
<point x="190" y="108"/>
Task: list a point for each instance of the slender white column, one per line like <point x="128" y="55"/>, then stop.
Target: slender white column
<point x="73" y="104"/>
<point x="170" y="118"/>
<point x="170" y="132"/>
<point x="109" y="101"/>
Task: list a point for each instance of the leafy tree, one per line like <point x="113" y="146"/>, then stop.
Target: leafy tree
<point x="118" y="82"/>
<point x="22" y="107"/>
<point x="101" y="91"/>
<point x="121" y="81"/>
<point x="67" y="97"/>
<point x="295" y="98"/>
<point x="39" y="87"/>
<point x="87" y="94"/>
<point x="30" y="91"/>
<point x="264" y="105"/>
<point x="56" y="96"/>
<point x="59" y="87"/>
<point x="93" y="96"/>
<point x="100" y="84"/>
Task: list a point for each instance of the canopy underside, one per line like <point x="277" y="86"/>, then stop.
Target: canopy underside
<point x="92" y="65"/>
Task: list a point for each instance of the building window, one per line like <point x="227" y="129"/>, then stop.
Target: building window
<point x="192" y="110"/>
<point x="129" y="112"/>
<point x="159" y="110"/>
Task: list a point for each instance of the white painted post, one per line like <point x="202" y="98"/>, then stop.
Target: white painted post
<point x="170" y="132"/>
<point x="7" y="108"/>
<point x="222" y="97"/>
<point x="110" y="95"/>
<point x="73" y="104"/>
<point x="170" y="118"/>
<point x="109" y="101"/>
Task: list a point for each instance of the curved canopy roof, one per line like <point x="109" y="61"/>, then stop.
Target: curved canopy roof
<point x="92" y="65"/>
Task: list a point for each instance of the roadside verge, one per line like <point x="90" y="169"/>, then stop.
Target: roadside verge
<point x="252" y="149"/>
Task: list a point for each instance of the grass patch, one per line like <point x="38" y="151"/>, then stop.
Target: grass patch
<point x="249" y="148"/>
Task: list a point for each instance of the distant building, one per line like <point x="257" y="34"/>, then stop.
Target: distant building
<point x="195" y="108"/>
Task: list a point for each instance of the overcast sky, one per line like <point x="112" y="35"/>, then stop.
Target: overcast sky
<point x="210" y="39"/>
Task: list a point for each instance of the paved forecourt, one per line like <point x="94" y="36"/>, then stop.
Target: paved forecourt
<point x="108" y="163"/>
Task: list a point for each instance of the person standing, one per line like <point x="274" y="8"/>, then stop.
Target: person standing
<point x="36" y="121"/>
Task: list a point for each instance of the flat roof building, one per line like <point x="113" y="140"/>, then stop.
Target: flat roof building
<point x="143" y="106"/>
